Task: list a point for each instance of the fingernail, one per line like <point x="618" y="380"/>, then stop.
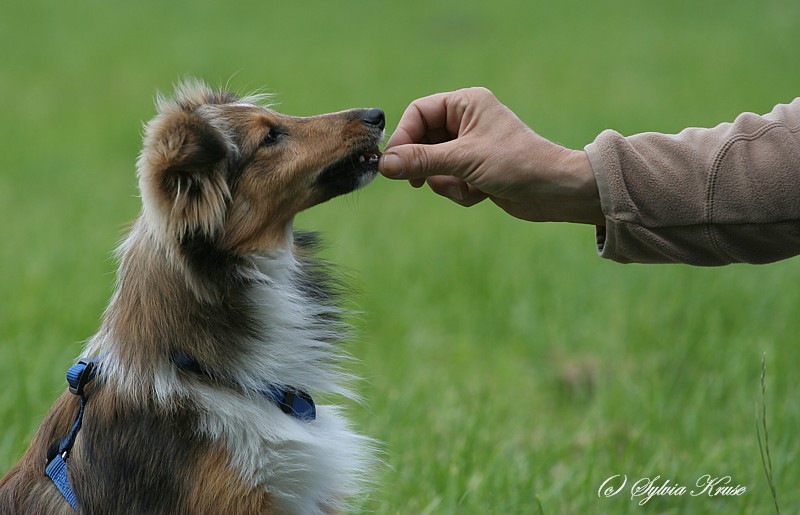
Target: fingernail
<point x="391" y="166"/>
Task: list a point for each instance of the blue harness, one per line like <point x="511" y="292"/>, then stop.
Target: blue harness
<point x="78" y="376"/>
<point x="293" y="402"/>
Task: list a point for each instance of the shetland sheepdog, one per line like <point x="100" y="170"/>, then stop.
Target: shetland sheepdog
<point x="222" y="329"/>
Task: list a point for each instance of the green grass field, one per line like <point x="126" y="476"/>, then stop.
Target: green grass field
<point x="507" y="369"/>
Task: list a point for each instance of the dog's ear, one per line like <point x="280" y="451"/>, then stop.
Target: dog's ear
<point x="182" y="173"/>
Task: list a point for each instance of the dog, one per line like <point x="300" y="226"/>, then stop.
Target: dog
<point x="195" y="394"/>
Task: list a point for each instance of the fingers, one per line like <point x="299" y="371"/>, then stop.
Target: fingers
<point x="432" y="143"/>
<point x="453" y="188"/>
<point x="422" y="161"/>
<point x="437" y="118"/>
<point x="456" y="190"/>
<point x="424" y="121"/>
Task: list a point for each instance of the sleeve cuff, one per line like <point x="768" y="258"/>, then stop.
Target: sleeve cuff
<point x="604" y="235"/>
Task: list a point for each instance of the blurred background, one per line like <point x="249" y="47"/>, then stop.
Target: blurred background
<point x="507" y="368"/>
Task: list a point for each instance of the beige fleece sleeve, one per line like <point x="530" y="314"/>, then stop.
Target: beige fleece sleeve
<point x="704" y="196"/>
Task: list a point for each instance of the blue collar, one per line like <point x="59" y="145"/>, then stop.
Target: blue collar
<point x="291" y="401"/>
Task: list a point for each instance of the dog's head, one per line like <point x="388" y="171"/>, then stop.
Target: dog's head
<point x="231" y="173"/>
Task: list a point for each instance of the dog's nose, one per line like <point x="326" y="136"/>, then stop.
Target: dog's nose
<point x="374" y="116"/>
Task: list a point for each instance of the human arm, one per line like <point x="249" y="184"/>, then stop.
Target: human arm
<point x="704" y="196"/>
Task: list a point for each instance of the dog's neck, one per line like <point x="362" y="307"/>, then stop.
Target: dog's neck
<point x="259" y="317"/>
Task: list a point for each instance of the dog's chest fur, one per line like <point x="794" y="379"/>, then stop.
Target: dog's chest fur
<point x="282" y="326"/>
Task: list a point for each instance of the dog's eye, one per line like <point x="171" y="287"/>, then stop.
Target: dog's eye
<point x="272" y="137"/>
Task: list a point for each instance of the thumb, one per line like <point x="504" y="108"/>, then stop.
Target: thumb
<point x="415" y="161"/>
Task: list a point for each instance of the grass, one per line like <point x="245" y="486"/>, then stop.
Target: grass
<point x="763" y="441"/>
<point x="507" y="368"/>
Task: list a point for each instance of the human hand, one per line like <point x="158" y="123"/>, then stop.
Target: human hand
<point x="468" y="147"/>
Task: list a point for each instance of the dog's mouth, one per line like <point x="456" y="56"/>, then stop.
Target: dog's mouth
<point x="370" y="158"/>
<point x="350" y="173"/>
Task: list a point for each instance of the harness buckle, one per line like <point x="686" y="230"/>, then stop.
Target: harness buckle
<point x="79" y="376"/>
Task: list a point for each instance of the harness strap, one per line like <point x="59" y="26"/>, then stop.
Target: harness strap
<point x="57" y="470"/>
<point x="296" y="403"/>
<point x="293" y="402"/>
<point x="78" y="376"/>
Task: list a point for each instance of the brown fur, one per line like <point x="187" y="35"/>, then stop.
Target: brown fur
<point x="216" y="190"/>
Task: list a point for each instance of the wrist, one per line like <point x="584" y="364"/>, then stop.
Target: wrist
<point x="584" y="195"/>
